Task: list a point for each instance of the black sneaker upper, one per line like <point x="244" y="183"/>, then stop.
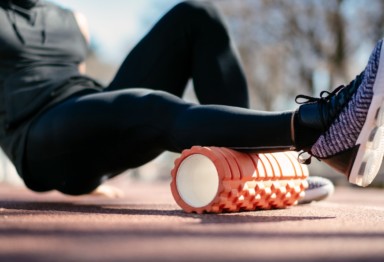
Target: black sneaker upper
<point x="315" y="115"/>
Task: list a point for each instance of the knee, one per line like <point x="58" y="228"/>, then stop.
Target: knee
<point x="199" y="11"/>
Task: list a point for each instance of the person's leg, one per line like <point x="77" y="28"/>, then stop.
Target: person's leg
<point x="76" y="143"/>
<point x="190" y="41"/>
<point x="73" y="146"/>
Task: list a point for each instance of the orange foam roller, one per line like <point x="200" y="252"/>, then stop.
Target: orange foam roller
<point x="216" y="179"/>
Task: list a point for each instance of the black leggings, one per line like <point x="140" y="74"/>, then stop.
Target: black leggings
<point x="75" y="145"/>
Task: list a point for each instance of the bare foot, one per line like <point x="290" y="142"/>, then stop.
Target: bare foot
<point x="107" y="191"/>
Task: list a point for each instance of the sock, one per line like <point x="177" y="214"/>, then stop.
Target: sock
<point x="304" y="136"/>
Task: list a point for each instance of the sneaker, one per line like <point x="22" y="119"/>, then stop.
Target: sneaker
<point x="354" y="142"/>
<point x="318" y="189"/>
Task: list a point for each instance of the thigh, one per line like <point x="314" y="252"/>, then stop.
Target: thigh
<point x="76" y="144"/>
<point x="189" y="41"/>
<point x="161" y="60"/>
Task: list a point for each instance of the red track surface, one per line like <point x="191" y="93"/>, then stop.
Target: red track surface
<point x="147" y="225"/>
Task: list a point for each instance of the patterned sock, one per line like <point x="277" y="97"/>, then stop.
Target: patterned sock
<point x="343" y="133"/>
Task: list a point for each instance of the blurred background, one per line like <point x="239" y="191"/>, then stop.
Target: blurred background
<point x="287" y="47"/>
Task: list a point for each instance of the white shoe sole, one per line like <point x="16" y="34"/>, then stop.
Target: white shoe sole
<point x="317" y="194"/>
<point x="371" y="139"/>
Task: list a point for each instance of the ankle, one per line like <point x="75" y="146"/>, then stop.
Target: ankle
<point x="306" y="128"/>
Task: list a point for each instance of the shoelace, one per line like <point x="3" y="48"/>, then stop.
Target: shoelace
<point x="306" y="160"/>
<point x="322" y="98"/>
<point x="331" y="104"/>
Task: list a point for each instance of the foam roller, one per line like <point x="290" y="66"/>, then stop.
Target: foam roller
<point x="217" y="179"/>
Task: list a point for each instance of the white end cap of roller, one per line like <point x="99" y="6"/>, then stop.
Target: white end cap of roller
<point x="197" y="180"/>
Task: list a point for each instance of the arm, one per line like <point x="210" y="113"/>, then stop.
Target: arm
<point x="83" y="25"/>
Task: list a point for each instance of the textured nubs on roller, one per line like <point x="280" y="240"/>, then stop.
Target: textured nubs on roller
<point x="213" y="179"/>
